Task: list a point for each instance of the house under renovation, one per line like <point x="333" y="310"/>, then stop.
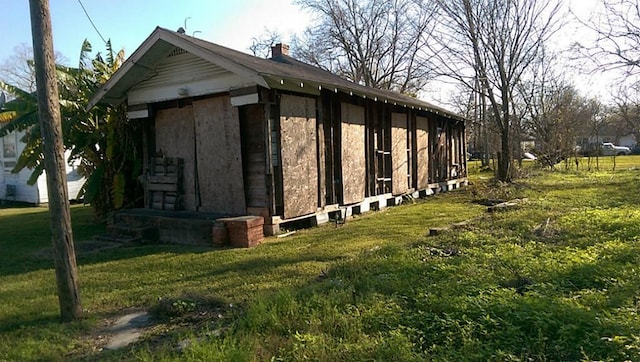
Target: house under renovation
<point x="230" y="134"/>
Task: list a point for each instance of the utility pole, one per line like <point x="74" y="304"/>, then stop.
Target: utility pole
<point x="54" y="163"/>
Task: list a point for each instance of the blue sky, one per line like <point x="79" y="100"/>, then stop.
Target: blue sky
<point x="128" y="22"/>
<point x="232" y="23"/>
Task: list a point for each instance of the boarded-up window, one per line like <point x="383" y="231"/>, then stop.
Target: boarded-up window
<point x="399" y="155"/>
<point x="206" y="135"/>
<point x="299" y="155"/>
<point x="353" y="154"/>
<point x="220" y="186"/>
<point x="422" y="140"/>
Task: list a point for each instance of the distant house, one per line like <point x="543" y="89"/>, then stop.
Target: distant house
<point x="13" y="186"/>
<point x="591" y="142"/>
<point x="628" y="140"/>
<point x="232" y="134"/>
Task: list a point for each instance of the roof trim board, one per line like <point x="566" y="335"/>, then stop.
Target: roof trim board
<point x="282" y="72"/>
<point x="143" y="60"/>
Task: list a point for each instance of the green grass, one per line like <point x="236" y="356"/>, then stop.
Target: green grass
<point x="554" y="279"/>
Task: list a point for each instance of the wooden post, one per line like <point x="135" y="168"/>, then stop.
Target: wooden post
<point x="51" y="128"/>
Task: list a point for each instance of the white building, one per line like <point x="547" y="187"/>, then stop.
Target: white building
<point x="14" y="187"/>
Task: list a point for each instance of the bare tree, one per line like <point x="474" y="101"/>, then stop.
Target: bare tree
<point x="597" y="123"/>
<point x="261" y="45"/>
<point x="625" y="112"/>
<point x="616" y="25"/>
<point x="372" y="42"/>
<point x="18" y="69"/>
<point x="493" y="42"/>
<point x="554" y="112"/>
<point x="481" y="135"/>
<point x="51" y="126"/>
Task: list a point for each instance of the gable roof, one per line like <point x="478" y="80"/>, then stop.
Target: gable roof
<point x="281" y="72"/>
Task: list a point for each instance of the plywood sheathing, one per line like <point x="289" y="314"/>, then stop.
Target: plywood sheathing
<point x="422" y="140"/>
<point x="400" y="159"/>
<point x="220" y="186"/>
<point x="353" y="154"/>
<point x="299" y="155"/>
<point x="175" y="138"/>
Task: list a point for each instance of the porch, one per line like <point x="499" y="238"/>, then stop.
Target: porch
<point x="183" y="227"/>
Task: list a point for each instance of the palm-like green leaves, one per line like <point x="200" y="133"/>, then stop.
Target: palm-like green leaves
<point x="100" y="139"/>
<point x="12" y="115"/>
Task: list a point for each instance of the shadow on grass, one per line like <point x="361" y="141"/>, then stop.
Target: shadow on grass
<point x="92" y="252"/>
<point x="26" y="246"/>
<point x="213" y="266"/>
<point x="20" y="322"/>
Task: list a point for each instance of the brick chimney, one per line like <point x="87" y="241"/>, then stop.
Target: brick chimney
<point x="279" y="49"/>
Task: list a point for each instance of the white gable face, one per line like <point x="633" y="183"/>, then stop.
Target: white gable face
<point x="182" y="75"/>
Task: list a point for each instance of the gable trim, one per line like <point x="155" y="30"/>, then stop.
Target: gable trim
<point x="141" y="63"/>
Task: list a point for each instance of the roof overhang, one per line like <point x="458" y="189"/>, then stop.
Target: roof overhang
<point x="353" y="89"/>
<point x="141" y="65"/>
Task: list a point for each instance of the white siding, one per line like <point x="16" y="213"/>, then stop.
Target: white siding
<point x="36" y="194"/>
<point x="24" y="192"/>
<point x="188" y="72"/>
<point x="74" y="182"/>
<point x="628" y="141"/>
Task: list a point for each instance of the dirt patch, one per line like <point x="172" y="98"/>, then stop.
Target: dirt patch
<point x="127" y="329"/>
<point x="162" y="324"/>
<point x="112" y="333"/>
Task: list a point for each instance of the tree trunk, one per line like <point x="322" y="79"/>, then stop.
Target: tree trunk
<point x="51" y="128"/>
<point x="505" y="163"/>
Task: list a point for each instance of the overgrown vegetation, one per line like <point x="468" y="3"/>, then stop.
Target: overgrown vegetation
<point x="101" y="139"/>
<point x="554" y="278"/>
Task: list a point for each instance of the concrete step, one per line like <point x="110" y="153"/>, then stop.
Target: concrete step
<point x="147" y="233"/>
<point x="122" y="239"/>
<point x="179" y="227"/>
<point x="125" y="233"/>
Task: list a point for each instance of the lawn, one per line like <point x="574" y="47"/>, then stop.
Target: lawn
<point x="552" y="279"/>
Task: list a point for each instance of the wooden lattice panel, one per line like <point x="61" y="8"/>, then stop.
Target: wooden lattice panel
<point x="163" y="184"/>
